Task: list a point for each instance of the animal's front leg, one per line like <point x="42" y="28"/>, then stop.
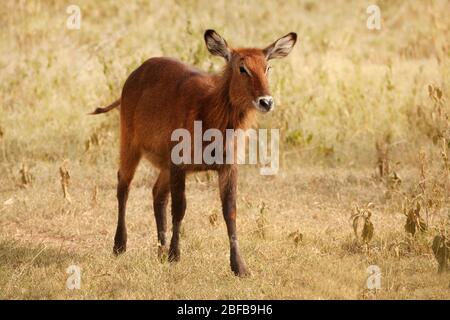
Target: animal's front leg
<point x="227" y="185"/>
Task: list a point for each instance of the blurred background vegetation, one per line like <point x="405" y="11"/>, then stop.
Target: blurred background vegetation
<point x="343" y="90"/>
<point x="364" y="122"/>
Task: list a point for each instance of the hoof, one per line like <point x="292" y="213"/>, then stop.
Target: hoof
<point x="119" y="249"/>
<point x="240" y="270"/>
<point x="162" y="253"/>
<point x="174" y="255"/>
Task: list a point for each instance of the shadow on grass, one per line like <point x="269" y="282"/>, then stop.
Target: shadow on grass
<point x="14" y="254"/>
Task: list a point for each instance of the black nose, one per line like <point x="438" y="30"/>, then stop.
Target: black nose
<point x="266" y="103"/>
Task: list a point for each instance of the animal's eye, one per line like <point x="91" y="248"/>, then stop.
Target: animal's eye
<point x="242" y="70"/>
<point x="268" y="68"/>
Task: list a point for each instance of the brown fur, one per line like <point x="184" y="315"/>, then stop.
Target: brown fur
<point x="163" y="95"/>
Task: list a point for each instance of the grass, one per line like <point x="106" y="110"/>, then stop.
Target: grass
<point x="42" y="234"/>
<point x="350" y="101"/>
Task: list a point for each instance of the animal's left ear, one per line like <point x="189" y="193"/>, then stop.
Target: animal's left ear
<point x="281" y="47"/>
<point x="217" y="45"/>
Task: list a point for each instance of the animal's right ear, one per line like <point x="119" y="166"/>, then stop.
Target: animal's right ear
<point x="217" y="45"/>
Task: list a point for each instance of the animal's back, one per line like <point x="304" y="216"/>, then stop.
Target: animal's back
<point x="161" y="95"/>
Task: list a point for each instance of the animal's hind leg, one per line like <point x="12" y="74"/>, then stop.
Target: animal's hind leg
<point x="160" y="199"/>
<point x="177" y="192"/>
<point x="129" y="159"/>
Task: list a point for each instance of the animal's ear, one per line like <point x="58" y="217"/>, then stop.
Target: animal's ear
<point x="281" y="47"/>
<point x="217" y="45"/>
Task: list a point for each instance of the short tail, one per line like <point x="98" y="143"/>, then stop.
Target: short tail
<point x="113" y="105"/>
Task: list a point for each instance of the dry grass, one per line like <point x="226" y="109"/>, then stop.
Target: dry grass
<point x="42" y="234"/>
<point x="364" y="120"/>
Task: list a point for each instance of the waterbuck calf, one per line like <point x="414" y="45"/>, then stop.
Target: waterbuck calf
<point x="163" y="95"/>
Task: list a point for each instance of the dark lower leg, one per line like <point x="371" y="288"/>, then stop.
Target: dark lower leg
<point x="227" y="184"/>
<point x="120" y="239"/>
<point x="128" y="163"/>
<point x="237" y="264"/>
<point x="177" y="190"/>
<point x="160" y="200"/>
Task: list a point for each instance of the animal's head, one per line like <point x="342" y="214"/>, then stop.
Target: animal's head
<point x="249" y="85"/>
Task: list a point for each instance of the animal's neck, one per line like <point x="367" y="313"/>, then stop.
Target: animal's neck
<point x="221" y="112"/>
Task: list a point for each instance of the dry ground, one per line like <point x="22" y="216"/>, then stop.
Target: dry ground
<point x="42" y="234"/>
<point x="348" y="98"/>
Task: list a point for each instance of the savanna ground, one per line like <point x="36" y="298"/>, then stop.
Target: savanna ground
<point x="363" y="118"/>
